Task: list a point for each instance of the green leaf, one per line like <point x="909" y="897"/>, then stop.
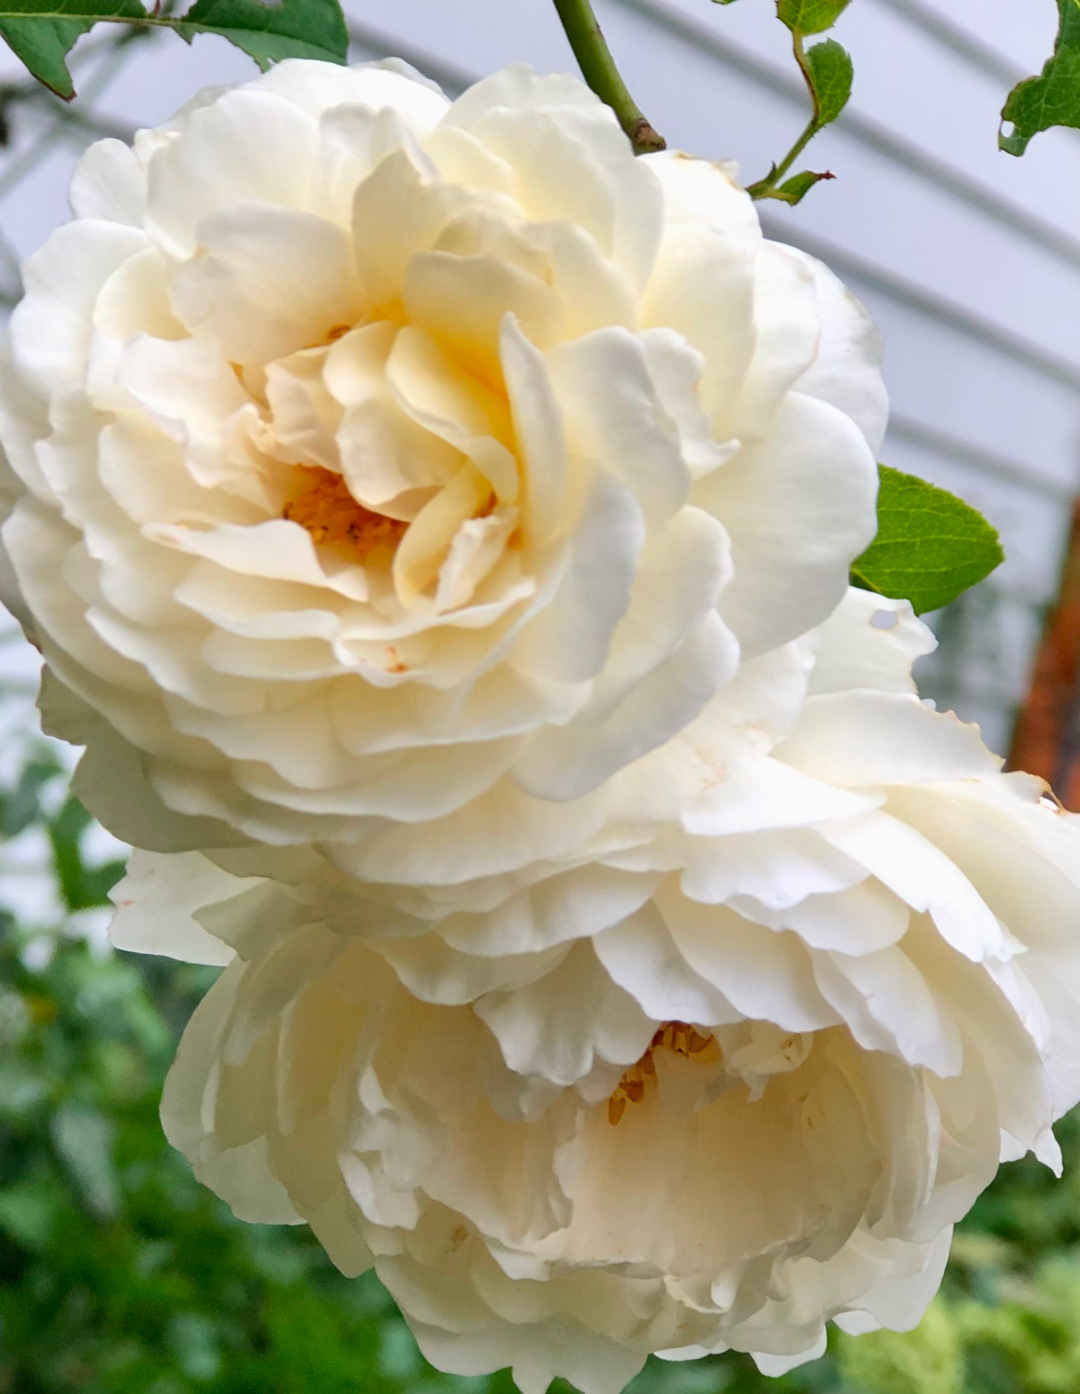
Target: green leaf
<point x="82" y="886"/>
<point x="829" y="71"/>
<point x="810" y="16"/>
<point x="795" y="189"/>
<point x="41" y="32"/>
<point x="268" y="33"/>
<point x="930" y="545"/>
<point x="65" y="833"/>
<point x="1053" y="99"/>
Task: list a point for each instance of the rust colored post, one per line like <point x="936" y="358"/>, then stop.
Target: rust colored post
<point x="1046" y="741"/>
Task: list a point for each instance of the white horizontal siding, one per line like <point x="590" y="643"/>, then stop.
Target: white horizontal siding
<point x="1020" y="31"/>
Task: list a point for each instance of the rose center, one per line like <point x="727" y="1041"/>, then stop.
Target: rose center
<point x="675" y="1036"/>
<point x="323" y="506"/>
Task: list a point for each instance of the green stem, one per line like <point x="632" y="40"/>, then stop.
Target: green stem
<point x="764" y="187"/>
<point x="599" y="70"/>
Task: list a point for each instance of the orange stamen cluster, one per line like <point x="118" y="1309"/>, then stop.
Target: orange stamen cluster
<point x="324" y="507"/>
<point x="675" y="1036"/>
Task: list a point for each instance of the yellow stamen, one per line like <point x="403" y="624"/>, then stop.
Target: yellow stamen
<point x="634" y="1089"/>
<point x="680" y="1039"/>
<point x="323" y="506"/>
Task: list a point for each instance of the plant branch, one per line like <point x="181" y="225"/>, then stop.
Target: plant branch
<point x="599" y="70"/>
<point x="796" y="150"/>
<point x="764" y="188"/>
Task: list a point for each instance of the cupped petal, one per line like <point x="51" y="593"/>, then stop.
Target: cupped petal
<point x="266" y="281"/>
<point x="389" y="83"/>
<point x="52" y="327"/>
<point x="407" y="786"/>
<point x="888" y="1006"/>
<point x="570" y="639"/>
<point x="846" y="370"/>
<point x="869" y="641"/>
<point x="454" y="406"/>
<point x="463" y="299"/>
<point x="187" y="388"/>
<point x="703" y="281"/>
<point x="767" y="976"/>
<point x="398" y="211"/>
<point x="799" y="508"/>
<point x="305" y="414"/>
<point x="681" y="573"/>
<point x="786" y="338"/>
<point x="384" y="451"/>
<point x="23" y="422"/>
<point x="922" y="876"/>
<point x="575" y="904"/>
<point x="156" y="902"/>
<point x="109" y="184"/>
<point x="242" y="146"/>
<point x="855" y="739"/>
<point x="614" y="417"/>
<point x="539" y="432"/>
<point x="112" y="776"/>
<point x="242" y="1176"/>
<point x="423" y="550"/>
<point x="853" y="920"/>
<point x="536" y="1354"/>
<point x="354" y="139"/>
<point x="562" y="1023"/>
<point x="645" y="960"/>
<point x="434" y="971"/>
<point x="135" y="300"/>
<point x="1011" y="846"/>
<point x="676" y="370"/>
<point x="564" y="762"/>
<point x="775" y="868"/>
<point x="570" y="159"/>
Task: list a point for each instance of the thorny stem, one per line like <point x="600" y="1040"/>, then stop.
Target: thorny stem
<point x="764" y="188"/>
<point x="599" y="70"/>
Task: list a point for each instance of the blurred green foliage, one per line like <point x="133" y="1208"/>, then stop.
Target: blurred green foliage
<point x="119" y="1274"/>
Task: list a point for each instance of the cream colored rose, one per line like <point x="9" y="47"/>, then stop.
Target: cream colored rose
<point x="708" y="1091"/>
<point x="371" y="453"/>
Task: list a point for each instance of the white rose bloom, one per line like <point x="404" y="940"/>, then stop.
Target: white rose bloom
<point x="371" y="451"/>
<point x="706" y="1093"/>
